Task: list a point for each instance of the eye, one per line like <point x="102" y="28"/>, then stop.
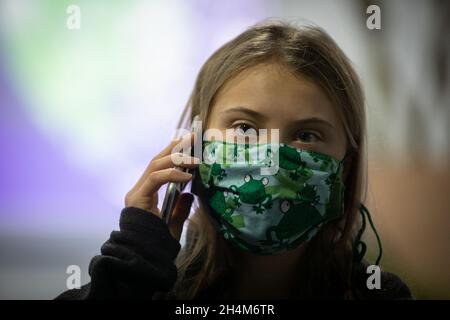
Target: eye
<point x="307" y="137"/>
<point x="245" y="129"/>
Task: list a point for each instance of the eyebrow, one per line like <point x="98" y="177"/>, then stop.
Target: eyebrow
<point x="247" y="111"/>
<point x="259" y="116"/>
<point x="313" y="120"/>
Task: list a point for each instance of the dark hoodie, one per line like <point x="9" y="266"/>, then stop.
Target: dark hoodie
<point x="137" y="262"/>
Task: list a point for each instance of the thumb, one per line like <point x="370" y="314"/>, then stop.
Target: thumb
<point x="180" y="213"/>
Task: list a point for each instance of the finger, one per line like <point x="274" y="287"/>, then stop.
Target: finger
<point x="150" y="166"/>
<point x="157" y="178"/>
<point x="185" y="145"/>
<point x="180" y="214"/>
<point x="175" y="159"/>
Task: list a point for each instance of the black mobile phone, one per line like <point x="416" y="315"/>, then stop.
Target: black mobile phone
<point x="174" y="189"/>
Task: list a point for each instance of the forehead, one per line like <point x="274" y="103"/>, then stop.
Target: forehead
<point x="274" y="91"/>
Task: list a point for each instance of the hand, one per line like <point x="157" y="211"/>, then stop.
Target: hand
<point x="161" y="170"/>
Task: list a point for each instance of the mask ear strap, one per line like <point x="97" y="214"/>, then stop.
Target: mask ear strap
<point x="347" y="155"/>
<point x="360" y="246"/>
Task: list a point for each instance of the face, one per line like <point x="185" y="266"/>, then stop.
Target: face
<point x="268" y="97"/>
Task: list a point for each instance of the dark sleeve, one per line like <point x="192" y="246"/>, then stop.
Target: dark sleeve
<point x="134" y="263"/>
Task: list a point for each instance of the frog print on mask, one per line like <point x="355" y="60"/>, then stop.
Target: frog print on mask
<point x="253" y="192"/>
<point x="270" y="214"/>
<point x="223" y="205"/>
<point x="297" y="216"/>
<point x="217" y="172"/>
<point x="290" y="159"/>
<point x="325" y="160"/>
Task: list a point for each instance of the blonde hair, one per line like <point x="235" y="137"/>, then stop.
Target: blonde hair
<point x="306" y="51"/>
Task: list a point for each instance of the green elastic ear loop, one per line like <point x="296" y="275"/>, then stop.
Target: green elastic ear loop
<point x="360" y="246"/>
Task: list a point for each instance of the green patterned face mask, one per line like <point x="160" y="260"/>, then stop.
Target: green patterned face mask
<point x="269" y="198"/>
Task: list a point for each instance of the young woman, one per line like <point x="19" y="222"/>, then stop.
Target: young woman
<point x="295" y="234"/>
